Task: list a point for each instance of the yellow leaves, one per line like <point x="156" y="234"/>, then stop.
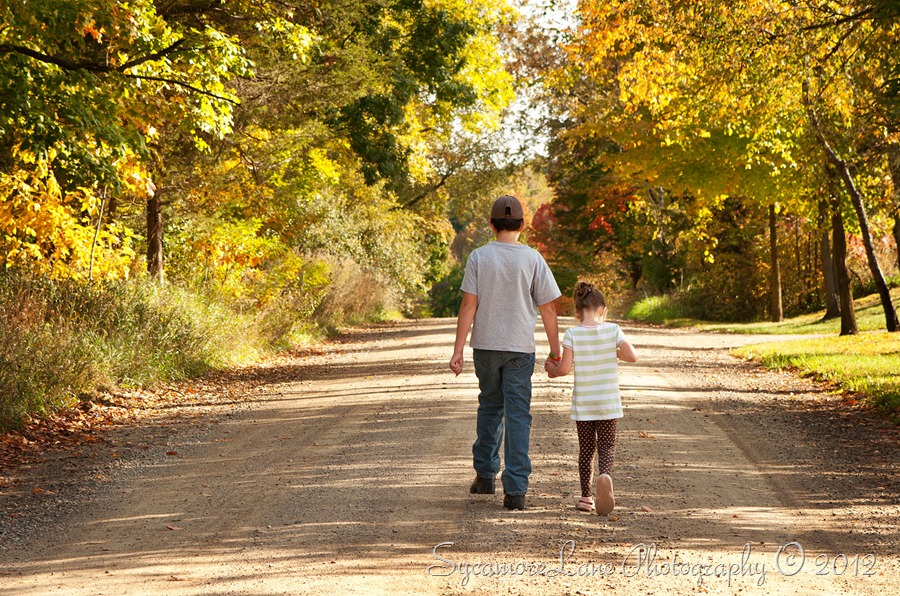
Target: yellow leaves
<point x="27" y="157"/>
<point x="329" y="170"/>
<point x="53" y="187"/>
<point x="49" y="230"/>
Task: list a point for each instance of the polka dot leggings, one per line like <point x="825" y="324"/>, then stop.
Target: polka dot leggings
<point x="595" y="436"/>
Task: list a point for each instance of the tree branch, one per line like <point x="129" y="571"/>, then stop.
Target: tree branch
<point x="9" y="48"/>
<point x="845" y="19"/>
<point x="429" y="190"/>
<point x="154" y="56"/>
<point x="183" y="84"/>
<point x="832" y="155"/>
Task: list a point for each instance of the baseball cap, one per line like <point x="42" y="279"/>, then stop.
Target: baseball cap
<point x="507" y="207"/>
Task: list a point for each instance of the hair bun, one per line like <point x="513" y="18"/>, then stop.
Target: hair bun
<point x="583" y="289"/>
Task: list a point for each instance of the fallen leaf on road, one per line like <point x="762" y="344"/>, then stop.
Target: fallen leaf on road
<point x="644" y="435"/>
<point x="174" y="528"/>
<point x="171" y="453"/>
<point x="647" y="509"/>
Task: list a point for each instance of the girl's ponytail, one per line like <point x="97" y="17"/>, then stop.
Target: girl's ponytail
<point x="587" y="297"/>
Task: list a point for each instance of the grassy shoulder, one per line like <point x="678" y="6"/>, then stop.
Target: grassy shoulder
<point x="863" y="365"/>
<point x="62" y="342"/>
<point x="662" y="310"/>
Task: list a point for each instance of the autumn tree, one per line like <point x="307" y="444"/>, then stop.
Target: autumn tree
<point x="265" y="129"/>
<point x="87" y="87"/>
<point x="710" y="100"/>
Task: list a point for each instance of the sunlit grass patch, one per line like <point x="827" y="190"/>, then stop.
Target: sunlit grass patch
<point x="867" y="364"/>
<point x="869" y="317"/>
<point x="655" y="309"/>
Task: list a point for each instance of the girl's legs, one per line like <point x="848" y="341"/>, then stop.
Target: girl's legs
<point x="606" y="444"/>
<point x="587" y="446"/>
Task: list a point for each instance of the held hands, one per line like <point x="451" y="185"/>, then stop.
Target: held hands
<point x="551" y="365"/>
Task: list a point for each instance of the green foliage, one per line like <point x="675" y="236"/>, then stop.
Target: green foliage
<point x="303" y="155"/>
<point x="87" y="87"/>
<point x="655" y="309"/>
<point x="446" y="295"/>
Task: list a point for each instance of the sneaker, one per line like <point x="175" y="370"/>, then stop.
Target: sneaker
<point x="606" y="502"/>
<point x="482" y="486"/>
<point x="514" y="502"/>
<point x="585" y="504"/>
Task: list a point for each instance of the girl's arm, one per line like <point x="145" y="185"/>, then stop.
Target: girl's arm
<point x="563" y="367"/>
<point x="625" y="352"/>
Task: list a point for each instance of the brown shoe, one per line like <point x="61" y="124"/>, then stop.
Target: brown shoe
<point x="514" y="502"/>
<point x="482" y="486"/>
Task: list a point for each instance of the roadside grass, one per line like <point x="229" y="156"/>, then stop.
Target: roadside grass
<point x="865" y="365"/>
<point x="63" y="341"/>
<point x="869" y="317"/>
<point x="656" y="309"/>
<point x="663" y="310"/>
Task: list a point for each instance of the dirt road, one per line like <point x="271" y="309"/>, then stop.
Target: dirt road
<point x="353" y="478"/>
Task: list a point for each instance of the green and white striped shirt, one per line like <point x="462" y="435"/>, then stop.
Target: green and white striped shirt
<point x="596" y="392"/>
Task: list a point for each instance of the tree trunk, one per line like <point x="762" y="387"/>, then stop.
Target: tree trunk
<point x="890" y="314"/>
<point x="897" y="236"/>
<point x="775" y="310"/>
<point x="841" y="274"/>
<point x="154" y="238"/>
<point x="843" y="172"/>
<point x="893" y="154"/>
<point x="832" y="310"/>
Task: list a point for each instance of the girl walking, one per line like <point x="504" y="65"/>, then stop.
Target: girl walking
<point x="594" y="348"/>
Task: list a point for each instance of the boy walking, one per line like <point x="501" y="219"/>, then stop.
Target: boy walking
<point x="506" y="285"/>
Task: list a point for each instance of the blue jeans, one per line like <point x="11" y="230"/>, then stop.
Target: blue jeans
<point x="504" y="408"/>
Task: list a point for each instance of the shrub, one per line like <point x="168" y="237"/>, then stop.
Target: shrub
<point x="446" y="295"/>
<point x="655" y="309"/>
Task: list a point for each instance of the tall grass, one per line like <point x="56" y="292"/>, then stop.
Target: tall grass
<point x="61" y="341"/>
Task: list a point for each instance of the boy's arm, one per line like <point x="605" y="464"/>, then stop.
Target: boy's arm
<point x="463" y="324"/>
<point x="551" y="326"/>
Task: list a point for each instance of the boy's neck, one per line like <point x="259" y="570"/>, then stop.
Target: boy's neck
<point x="508" y="237"/>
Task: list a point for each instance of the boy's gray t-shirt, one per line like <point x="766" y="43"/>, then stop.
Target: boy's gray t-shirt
<point x="511" y="281"/>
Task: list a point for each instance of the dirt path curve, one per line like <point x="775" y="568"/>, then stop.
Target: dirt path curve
<point x="354" y="479"/>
